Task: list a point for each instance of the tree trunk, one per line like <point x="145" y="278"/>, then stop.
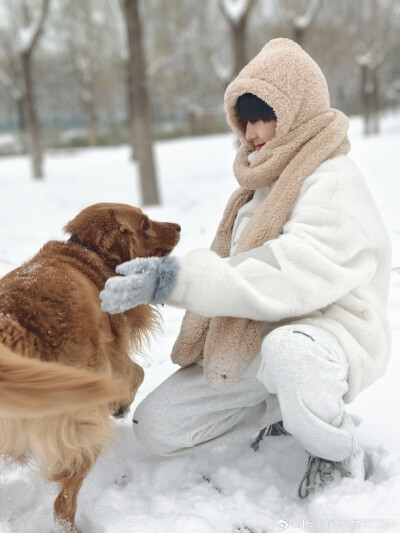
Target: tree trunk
<point x="141" y="109"/>
<point x="239" y="45"/>
<point x="365" y="99"/>
<point x="33" y="124"/>
<point x="238" y="31"/>
<point x="21" y="124"/>
<point x="130" y="111"/>
<point x="91" y="122"/>
<point x="298" y="35"/>
<point x="364" y="96"/>
<point x="375" y="102"/>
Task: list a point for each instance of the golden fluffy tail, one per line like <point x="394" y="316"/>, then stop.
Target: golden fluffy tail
<point x="30" y="388"/>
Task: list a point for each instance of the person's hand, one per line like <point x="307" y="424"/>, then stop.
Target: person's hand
<point x="143" y="280"/>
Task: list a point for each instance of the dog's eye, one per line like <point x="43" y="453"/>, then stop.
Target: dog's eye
<point x="146" y="225"/>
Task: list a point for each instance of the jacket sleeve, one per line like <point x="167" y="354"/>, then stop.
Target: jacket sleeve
<point x="322" y="255"/>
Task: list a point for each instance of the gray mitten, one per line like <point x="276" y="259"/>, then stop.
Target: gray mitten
<point x="143" y="280"/>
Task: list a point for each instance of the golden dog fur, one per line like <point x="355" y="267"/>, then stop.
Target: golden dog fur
<point x="64" y="364"/>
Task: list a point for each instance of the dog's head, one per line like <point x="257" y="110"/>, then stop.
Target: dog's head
<point x="133" y="374"/>
<point x="120" y="232"/>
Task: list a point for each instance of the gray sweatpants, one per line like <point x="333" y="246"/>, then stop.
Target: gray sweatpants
<point x="300" y="377"/>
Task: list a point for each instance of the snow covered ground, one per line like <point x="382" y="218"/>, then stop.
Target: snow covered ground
<point x="231" y="489"/>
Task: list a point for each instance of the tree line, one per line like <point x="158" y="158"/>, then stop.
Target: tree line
<point x="164" y="64"/>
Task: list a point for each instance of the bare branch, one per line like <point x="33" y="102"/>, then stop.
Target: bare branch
<point x="158" y="64"/>
<point x="235" y="11"/>
<point x="303" y="21"/>
<point x="381" y="28"/>
<point x="224" y="72"/>
<point x="30" y="34"/>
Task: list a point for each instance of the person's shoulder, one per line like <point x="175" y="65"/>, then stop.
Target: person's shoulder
<point x="334" y="184"/>
<point x="339" y="165"/>
<point x="338" y="172"/>
<point x="324" y="179"/>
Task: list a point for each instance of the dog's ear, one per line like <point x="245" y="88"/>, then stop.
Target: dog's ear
<point x="118" y="245"/>
<point x="109" y="229"/>
<point x="90" y="226"/>
<point x="69" y="228"/>
<point x="125" y="238"/>
<point x="125" y="225"/>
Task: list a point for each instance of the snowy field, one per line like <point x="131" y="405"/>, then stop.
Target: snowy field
<point x="133" y="491"/>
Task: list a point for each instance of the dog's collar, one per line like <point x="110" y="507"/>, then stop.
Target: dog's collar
<point x="75" y="239"/>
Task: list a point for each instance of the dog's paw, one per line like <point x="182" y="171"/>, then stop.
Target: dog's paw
<point x="64" y="526"/>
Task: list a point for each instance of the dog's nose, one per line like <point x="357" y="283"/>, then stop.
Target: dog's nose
<point x="177" y="227"/>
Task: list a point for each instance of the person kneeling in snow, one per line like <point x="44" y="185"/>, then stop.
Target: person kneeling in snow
<point x="287" y="313"/>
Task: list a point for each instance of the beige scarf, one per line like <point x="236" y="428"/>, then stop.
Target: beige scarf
<point x="308" y="132"/>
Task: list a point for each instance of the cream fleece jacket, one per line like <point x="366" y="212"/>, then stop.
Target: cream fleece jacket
<point x="334" y="256"/>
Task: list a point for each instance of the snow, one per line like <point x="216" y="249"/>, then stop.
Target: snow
<point x="302" y="22"/>
<point x="26" y="34"/>
<point x="230" y="489"/>
<point x="235" y="9"/>
<point x="25" y="38"/>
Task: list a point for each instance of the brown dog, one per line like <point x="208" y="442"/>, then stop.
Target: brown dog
<point x="64" y="364"/>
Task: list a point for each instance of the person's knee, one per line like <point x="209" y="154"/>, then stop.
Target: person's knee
<point x="153" y="429"/>
<point x="274" y="346"/>
<point x="292" y="352"/>
<point x="148" y="430"/>
<point x="277" y="356"/>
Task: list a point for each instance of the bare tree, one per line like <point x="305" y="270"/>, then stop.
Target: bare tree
<point x="12" y="81"/>
<point x="32" y="28"/>
<point x="236" y="13"/>
<point x="179" y="41"/>
<point x="130" y="100"/>
<point x="373" y="29"/>
<point x="299" y="15"/>
<point x="140" y="105"/>
<point x="88" y="30"/>
<point x="24" y="26"/>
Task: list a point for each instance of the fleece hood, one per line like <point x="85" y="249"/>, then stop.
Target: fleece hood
<point x="285" y="77"/>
